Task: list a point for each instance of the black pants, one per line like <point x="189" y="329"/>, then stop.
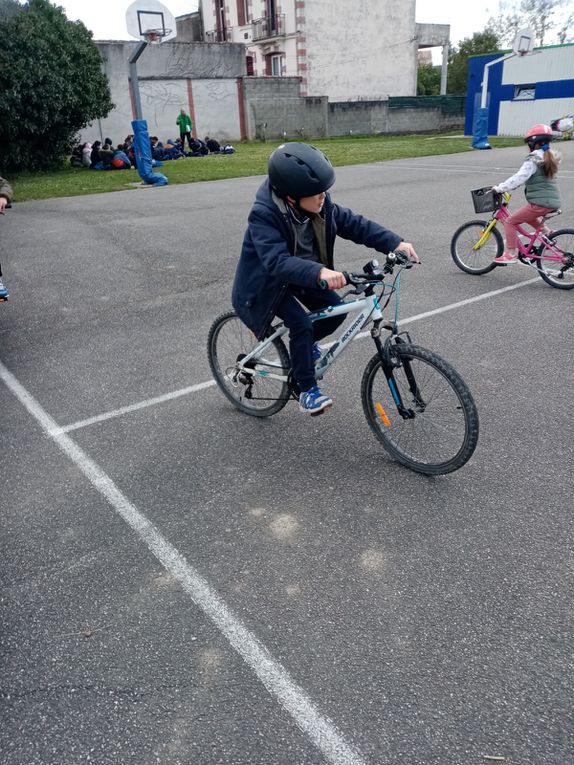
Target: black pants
<point x="302" y="331"/>
<point x="183" y="136"/>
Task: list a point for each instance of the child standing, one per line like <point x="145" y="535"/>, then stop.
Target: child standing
<point x="288" y="250"/>
<point x="5" y="201"/>
<point x="538" y="173"/>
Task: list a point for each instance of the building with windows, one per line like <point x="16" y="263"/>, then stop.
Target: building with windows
<point x="522" y="90"/>
<point x="339" y="49"/>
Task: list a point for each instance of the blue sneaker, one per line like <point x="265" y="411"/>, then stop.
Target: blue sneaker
<point x="317" y="352"/>
<point x="312" y="401"/>
<point x="3" y="291"/>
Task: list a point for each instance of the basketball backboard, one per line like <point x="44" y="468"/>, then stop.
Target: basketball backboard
<point x="144" y="16"/>
<point x="524" y="42"/>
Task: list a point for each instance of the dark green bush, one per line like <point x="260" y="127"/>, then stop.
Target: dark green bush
<point x="51" y="85"/>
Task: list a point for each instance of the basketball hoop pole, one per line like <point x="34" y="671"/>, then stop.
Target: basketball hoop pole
<point x="522" y="47"/>
<point x="480" y="129"/>
<point x="485" y="77"/>
<point x="134" y="78"/>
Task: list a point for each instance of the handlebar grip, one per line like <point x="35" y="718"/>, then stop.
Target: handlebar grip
<point x="347" y="276"/>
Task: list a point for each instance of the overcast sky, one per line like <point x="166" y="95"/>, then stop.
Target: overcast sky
<point x="106" y="18"/>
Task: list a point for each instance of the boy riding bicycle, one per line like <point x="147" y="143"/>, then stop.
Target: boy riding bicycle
<point x="287" y="253"/>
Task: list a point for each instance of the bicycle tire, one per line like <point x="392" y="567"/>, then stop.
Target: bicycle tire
<point x="443" y="432"/>
<point x="228" y="340"/>
<point x="561" y="277"/>
<point x="475" y="261"/>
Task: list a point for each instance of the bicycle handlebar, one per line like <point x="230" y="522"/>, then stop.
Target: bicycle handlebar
<point x="373" y="272"/>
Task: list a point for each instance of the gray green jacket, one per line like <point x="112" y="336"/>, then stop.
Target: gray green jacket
<point x="539" y="189"/>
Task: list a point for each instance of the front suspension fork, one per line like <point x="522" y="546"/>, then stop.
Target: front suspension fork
<point x="390" y="362"/>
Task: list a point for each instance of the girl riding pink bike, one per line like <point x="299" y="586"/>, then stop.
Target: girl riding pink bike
<point x="538" y="173"/>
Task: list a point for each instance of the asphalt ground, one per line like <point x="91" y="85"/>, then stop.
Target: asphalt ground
<point x="182" y="583"/>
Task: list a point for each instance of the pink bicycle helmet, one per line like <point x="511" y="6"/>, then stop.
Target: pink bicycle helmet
<point x="538" y="134"/>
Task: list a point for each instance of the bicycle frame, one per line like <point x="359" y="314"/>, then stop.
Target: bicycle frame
<point x="368" y="309"/>
<point x="526" y="249"/>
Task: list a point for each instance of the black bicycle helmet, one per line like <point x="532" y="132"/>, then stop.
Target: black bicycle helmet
<point x="300" y="170"/>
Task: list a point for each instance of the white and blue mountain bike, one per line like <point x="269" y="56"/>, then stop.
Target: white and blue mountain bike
<point x="416" y="404"/>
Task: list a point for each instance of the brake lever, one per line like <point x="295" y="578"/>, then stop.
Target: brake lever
<point x="402" y="259"/>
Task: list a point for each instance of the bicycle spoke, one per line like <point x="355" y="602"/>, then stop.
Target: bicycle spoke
<point x="470" y="253"/>
<point x="251" y="390"/>
<point x="559" y="273"/>
<point x="442" y="430"/>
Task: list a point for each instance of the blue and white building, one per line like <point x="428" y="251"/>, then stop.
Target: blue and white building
<point x="522" y="90"/>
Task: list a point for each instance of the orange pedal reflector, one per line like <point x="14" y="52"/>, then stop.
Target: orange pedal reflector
<point x="383" y="415"/>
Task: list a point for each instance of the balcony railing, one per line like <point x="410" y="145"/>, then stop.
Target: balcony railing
<point x="263" y="29"/>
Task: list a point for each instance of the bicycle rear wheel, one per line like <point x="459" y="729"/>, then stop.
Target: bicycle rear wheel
<point x="559" y="275"/>
<point x="228" y="342"/>
<point x="440" y="432"/>
<point x="479" y="261"/>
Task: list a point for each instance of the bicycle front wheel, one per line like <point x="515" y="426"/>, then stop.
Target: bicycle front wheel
<point x="438" y="430"/>
<point x="256" y="392"/>
<point x="472" y="259"/>
<point x="559" y="274"/>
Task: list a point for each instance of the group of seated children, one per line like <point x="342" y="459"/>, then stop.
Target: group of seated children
<point x="104" y="156"/>
<point x="197" y="148"/>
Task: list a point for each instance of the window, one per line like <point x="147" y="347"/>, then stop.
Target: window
<point x="242" y="12"/>
<point x="220" y="21"/>
<point x="525" y="92"/>
<point x="272" y="13"/>
<point x="249" y="68"/>
<point x="276" y="65"/>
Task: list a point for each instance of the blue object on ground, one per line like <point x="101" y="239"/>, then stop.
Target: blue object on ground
<point x="142" y="151"/>
<point x="480" y="132"/>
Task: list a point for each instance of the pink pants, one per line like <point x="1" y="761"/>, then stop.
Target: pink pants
<point x="530" y="214"/>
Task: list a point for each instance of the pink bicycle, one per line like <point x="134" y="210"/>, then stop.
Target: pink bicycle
<point x="476" y="243"/>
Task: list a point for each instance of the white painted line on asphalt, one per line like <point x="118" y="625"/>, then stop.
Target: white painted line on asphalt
<point x="406" y="164"/>
<point x="319" y="728"/>
<point x="134" y="407"/>
<point x="460" y="304"/>
<point x="210" y="383"/>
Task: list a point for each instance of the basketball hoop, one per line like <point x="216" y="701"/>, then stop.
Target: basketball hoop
<point x="524" y="43"/>
<point x="150" y="21"/>
<point x="156" y="35"/>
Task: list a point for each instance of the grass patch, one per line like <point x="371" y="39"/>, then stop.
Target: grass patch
<point x="249" y="159"/>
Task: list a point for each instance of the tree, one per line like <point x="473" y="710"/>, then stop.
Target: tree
<point x="479" y="43"/>
<point x="428" y="80"/>
<point x="542" y="16"/>
<point x="51" y="85"/>
<point x="9" y="8"/>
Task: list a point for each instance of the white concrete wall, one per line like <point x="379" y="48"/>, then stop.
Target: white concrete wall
<point x="360" y="50"/>
<point x="163" y="83"/>
<point x="216" y="109"/>
<point x="342" y="49"/>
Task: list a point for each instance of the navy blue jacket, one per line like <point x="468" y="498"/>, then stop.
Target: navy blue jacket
<point x="267" y="263"/>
